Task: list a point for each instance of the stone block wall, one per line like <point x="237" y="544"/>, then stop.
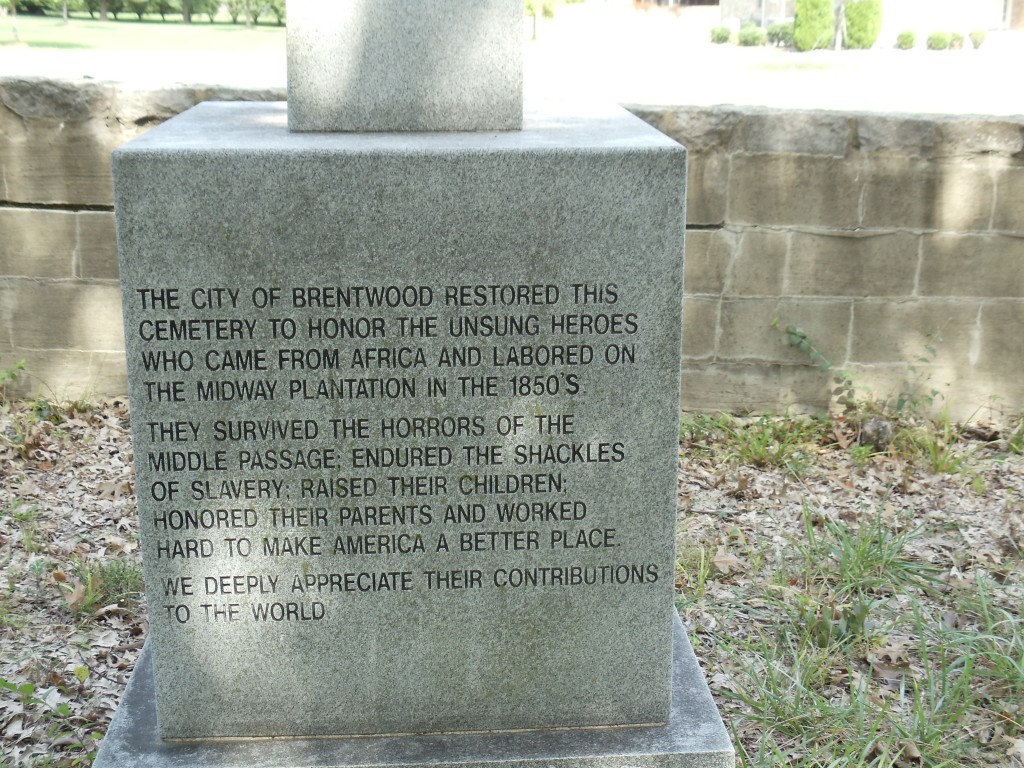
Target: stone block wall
<point x="877" y="235"/>
<point x="880" y="236"/>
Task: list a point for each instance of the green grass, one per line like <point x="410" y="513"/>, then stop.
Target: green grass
<point x="129" y="34"/>
<point x="851" y="636"/>
<point x="765" y="442"/>
<point x="802" y="699"/>
<point x="105" y="583"/>
<point x="867" y="559"/>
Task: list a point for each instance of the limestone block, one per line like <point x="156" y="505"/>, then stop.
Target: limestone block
<point x="96" y="256"/>
<point x="700" y="327"/>
<point x="906" y="193"/>
<point x="697" y="128"/>
<point x="972" y="265"/>
<point x="707" y="182"/>
<point x="852" y="264"/>
<point x="769" y="189"/>
<point x="68" y="374"/>
<point x="66" y="315"/>
<point x="899" y="192"/>
<point x="707" y="256"/>
<point x="759" y="265"/>
<point x="57" y="244"/>
<point x="795" y="132"/>
<point x="747" y="332"/>
<point x="901" y="332"/>
<point x="1001" y="347"/>
<point x="390" y="65"/>
<point x="6" y="303"/>
<point x="963" y="394"/>
<point x="58" y="142"/>
<point x="755" y="387"/>
<point x="979" y="136"/>
<point x="1008" y="215"/>
<point x="964" y="195"/>
<point x="896" y="135"/>
<point x="37" y="243"/>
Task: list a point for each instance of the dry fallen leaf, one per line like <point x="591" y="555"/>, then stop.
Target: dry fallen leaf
<point x="76" y="596"/>
<point x="1016" y="749"/>
<point x="725" y="563"/>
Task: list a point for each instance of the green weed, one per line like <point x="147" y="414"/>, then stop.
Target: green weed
<point x="97" y="584"/>
<point x="697" y="431"/>
<point x="1015" y="439"/>
<point x="772" y="442"/>
<point x="9" y="376"/>
<point x="693" y="570"/>
<point x="936" y="444"/>
<point x="866" y="560"/>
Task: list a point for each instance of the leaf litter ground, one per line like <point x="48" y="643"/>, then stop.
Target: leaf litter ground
<point x="847" y="608"/>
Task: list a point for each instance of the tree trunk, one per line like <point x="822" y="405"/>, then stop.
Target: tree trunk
<point x="248" y="15"/>
<point x="840" y="31"/>
<point x="14" y="20"/>
<point x="186" y="11"/>
<point x="64" y="11"/>
<point x="103" y="10"/>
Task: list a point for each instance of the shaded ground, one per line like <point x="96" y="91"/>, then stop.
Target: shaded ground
<point x="819" y="580"/>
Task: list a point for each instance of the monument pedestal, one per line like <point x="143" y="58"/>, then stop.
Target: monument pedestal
<point x="693" y="738"/>
<point x="405" y="419"/>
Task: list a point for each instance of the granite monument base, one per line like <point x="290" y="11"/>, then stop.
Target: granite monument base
<point x="406" y="412"/>
<point x="693" y="738"/>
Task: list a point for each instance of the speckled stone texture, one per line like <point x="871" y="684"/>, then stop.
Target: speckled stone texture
<point x="394" y="65"/>
<point x="693" y="738"/>
<point x="378" y="597"/>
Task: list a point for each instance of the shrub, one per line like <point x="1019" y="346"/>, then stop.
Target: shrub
<point x="751" y="36"/>
<point x="938" y="41"/>
<point x="978" y="37"/>
<point x="863" y="23"/>
<point x="781" y="34"/>
<point x="814" y="24"/>
<point x="956" y="40"/>
<point x="35" y="7"/>
<point x="720" y="35"/>
<point x="905" y="40"/>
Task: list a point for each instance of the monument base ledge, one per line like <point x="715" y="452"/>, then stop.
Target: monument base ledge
<point x="694" y="737"/>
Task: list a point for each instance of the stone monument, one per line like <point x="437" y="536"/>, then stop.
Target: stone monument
<point x="405" y="417"/>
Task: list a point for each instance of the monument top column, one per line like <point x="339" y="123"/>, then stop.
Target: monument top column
<point x="405" y="65"/>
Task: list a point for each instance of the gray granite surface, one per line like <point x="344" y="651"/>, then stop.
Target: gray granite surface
<point x="392" y="65"/>
<point x="694" y="737"/>
<point x="405" y="421"/>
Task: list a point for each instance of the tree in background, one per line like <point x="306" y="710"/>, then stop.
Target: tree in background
<point x="863" y="23"/>
<point x="814" y="25"/>
<point x="241" y="8"/>
<point x="163" y="7"/>
<point x="138" y="7"/>
<point x="209" y="7"/>
<point x="277" y="8"/>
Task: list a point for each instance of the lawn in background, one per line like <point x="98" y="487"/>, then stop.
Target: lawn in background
<point x="150" y="34"/>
